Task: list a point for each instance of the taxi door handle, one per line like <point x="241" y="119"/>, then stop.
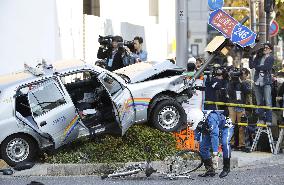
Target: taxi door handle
<point x="43" y="123"/>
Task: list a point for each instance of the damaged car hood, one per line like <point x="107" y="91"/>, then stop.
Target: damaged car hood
<point x="144" y="70"/>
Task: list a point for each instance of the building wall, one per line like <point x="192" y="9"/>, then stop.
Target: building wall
<point x="152" y="19"/>
<point x="198" y="13"/>
<point x="33" y="29"/>
<point x="27" y="33"/>
<point x="53" y="29"/>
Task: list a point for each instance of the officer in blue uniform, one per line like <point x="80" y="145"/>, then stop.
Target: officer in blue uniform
<point x="214" y="126"/>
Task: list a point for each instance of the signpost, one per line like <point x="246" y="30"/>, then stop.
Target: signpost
<point x="274" y="28"/>
<point x="231" y="28"/>
<point x="215" y="4"/>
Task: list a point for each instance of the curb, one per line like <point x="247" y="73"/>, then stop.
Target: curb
<point x="89" y="169"/>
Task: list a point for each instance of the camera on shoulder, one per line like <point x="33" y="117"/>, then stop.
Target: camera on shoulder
<point x="129" y="44"/>
<point x="105" y="40"/>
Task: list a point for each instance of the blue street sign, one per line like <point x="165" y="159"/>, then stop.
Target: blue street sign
<point x="222" y="22"/>
<point x="215" y="4"/>
<point x="231" y="28"/>
<point x="240" y="33"/>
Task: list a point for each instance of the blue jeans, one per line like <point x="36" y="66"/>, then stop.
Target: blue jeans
<point x="263" y="98"/>
<point x="206" y="144"/>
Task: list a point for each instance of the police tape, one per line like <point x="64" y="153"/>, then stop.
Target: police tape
<point x="243" y="105"/>
<point x="258" y="125"/>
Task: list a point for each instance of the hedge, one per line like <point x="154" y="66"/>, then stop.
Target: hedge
<point x="130" y="147"/>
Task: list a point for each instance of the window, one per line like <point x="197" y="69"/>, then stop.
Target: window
<point x="45" y="98"/>
<point x="76" y="77"/>
<point x="111" y="84"/>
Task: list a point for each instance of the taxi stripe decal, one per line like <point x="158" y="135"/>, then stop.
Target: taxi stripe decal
<point x="71" y="127"/>
<point x="139" y="101"/>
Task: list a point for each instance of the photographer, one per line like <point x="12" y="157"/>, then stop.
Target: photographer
<point x="262" y="64"/>
<point x="215" y="88"/>
<point x="238" y="90"/>
<point x="136" y="53"/>
<point x="112" y="52"/>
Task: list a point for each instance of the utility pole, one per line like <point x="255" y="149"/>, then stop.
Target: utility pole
<point x="268" y="7"/>
<point x="261" y="22"/>
<point x="181" y="33"/>
<point x="252" y="15"/>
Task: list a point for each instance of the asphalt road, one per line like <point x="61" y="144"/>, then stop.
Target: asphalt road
<point x="269" y="173"/>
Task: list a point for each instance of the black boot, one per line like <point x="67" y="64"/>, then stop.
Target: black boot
<point x="226" y="167"/>
<point x="209" y="168"/>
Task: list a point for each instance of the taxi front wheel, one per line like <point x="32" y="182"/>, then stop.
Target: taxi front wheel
<point x="16" y="149"/>
<point x="168" y="115"/>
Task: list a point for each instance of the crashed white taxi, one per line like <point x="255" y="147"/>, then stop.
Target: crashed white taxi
<point x="44" y="108"/>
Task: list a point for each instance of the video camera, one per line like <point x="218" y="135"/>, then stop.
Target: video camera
<point x="256" y="49"/>
<point x="105" y="40"/>
<point x="129" y="44"/>
<point x="214" y="70"/>
<point x="228" y="72"/>
<point x="234" y="73"/>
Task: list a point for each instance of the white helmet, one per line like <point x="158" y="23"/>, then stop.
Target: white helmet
<point x="194" y="117"/>
<point x="191" y="60"/>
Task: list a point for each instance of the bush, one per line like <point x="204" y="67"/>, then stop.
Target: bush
<point x="130" y="147"/>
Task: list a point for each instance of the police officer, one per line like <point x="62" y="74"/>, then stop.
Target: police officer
<point x="214" y="126"/>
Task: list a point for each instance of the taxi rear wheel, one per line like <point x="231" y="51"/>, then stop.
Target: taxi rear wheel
<point x="168" y="116"/>
<point x="16" y="149"/>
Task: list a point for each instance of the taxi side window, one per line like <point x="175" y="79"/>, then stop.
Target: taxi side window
<point x="112" y="85"/>
<point x="45" y="98"/>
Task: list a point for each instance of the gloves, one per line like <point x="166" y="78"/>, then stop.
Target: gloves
<point x="215" y="160"/>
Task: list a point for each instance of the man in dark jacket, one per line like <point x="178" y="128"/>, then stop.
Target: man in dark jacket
<point x="262" y="64"/>
<point x="113" y="54"/>
<point x="215" y="89"/>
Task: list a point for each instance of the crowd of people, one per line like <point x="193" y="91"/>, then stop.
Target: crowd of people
<point x="117" y="54"/>
<point x="230" y="84"/>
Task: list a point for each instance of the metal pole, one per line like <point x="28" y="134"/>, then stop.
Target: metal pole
<point x="252" y="15"/>
<point x="236" y="8"/>
<point x="261" y="24"/>
<point x="267" y="26"/>
<point x="181" y="33"/>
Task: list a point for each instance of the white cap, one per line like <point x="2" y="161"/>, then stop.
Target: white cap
<point x="191" y="60"/>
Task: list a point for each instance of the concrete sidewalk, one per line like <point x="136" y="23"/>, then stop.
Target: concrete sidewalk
<point x="250" y="159"/>
<point x="239" y="160"/>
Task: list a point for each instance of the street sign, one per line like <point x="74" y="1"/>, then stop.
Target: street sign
<point x="215" y="4"/>
<point x="243" y="36"/>
<point x="231" y="28"/>
<point x="222" y="22"/>
<point x="274" y="28"/>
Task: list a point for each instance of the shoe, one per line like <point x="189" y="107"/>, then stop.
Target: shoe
<point x="209" y="168"/>
<point x="246" y="149"/>
<point x="241" y="148"/>
<point x="235" y="148"/>
<point x="226" y="168"/>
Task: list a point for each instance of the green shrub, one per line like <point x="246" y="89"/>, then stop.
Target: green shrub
<point x="130" y="147"/>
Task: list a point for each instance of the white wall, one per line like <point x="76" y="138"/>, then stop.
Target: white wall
<point x="35" y="29"/>
<point x="133" y="11"/>
<point x="70" y="22"/>
<point x="155" y="36"/>
<point x="53" y="29"/>
<point x="28" y="32"/>
<point x="130" y="18"/>
<point x="197" y="25"/>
